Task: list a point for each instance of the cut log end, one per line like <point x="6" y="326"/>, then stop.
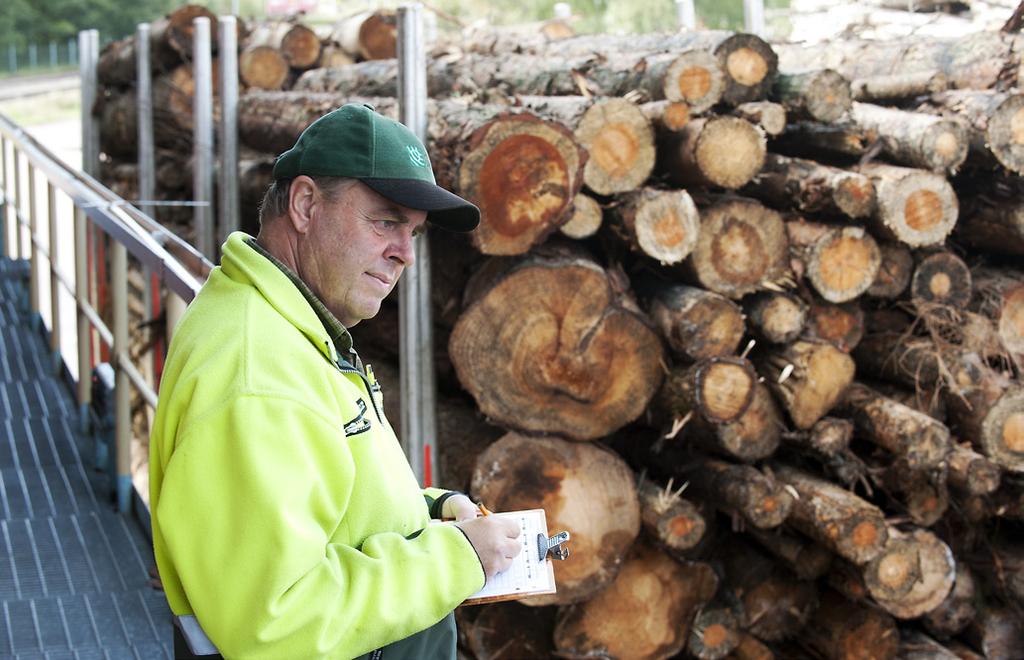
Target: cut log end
<point x="894" y="272"/>
<point x="844" y="264"/>
<point x="771" y="117"/>
<point x="378" y="36"/>
<point x="749" y="64"/>
<point x="665" y="224"/>
<point x="725" y="389"/>
<point x="777" y="317"/>
<point x="742" y="248"/>
<point x="730" y="151"/>
<point x="586" y="218"/>
<point x="1003" y="431"/>
<point x="523" y="173"/>
<point x="694" y="78"/>
<point x="822" y="372"/>
<point x="942" y="278"/>
<point x="536" y="359"/>
<point x="620" y="141"/>
<point x="696" y="323"/>
<point x="828" y="96"/>
<point x="913" y="574"/>
<point x="854" y="195"/>
<point x="262" y="67"/>
<point x="840" y="325"/>
<point x="715" y="634"/>
<point x="916" y="207"/>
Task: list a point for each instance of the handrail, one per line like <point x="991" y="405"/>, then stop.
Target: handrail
<point x="180" y="267"/>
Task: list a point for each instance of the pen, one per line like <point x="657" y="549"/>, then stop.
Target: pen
<point x="483" y="509"/>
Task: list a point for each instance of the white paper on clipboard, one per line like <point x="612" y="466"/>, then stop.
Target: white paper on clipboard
<point x="527" y="575"/>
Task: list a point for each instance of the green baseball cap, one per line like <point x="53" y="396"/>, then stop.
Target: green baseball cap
<point x="355" y="141"/>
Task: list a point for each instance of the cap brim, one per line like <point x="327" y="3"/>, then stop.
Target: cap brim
<point x="443" y="208"/>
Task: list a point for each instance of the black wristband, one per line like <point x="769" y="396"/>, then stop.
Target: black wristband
<point x="438" y="506"/>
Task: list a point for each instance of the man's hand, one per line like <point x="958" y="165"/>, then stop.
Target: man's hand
<point x="495" y="539"/>
<point x="460" y="508"/>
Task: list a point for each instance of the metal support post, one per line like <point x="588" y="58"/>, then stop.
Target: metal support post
<point x="753" y="17"/>
<point x="53" y="54"/>
<point x="88" y="55"/>
<point x="686" y="15"/>
<point x="144" y="101"/>
<point x="81" y="298"/>
<point x="120" y="354"/>
<point x="202" y="113"/>
<point x="33" y="241"/>
<point x="52" y="245"/>
<point x="227" y="206"/>
<point x="19" y="250"/>
<point x="6" y="201"/>
<point x="418" y="387"/>
<point x="175" y="307"/>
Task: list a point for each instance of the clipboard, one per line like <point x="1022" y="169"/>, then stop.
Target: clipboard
<point x="532" y="572"/>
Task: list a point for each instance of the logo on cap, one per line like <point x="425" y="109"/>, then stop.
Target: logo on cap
<point x="416" y="157"/>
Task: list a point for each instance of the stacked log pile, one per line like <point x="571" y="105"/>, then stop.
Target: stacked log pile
<point x="751" y="333"/>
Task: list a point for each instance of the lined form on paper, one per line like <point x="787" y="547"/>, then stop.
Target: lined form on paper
<point x="527" y="576"/>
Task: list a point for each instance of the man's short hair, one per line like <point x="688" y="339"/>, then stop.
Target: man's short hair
<point x="275" y="200"/>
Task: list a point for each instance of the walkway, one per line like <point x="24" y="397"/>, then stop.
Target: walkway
<point x="73" y="573"/>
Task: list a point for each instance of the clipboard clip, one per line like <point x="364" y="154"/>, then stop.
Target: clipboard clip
<point x="553" y="545"/>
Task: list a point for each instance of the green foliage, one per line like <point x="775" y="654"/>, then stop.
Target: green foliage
<point x="41" y="21"/>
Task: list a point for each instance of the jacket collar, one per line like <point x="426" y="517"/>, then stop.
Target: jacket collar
<point x="242" y="262"/>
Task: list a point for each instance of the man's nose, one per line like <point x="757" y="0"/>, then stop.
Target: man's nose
<point x="403" y="250"/>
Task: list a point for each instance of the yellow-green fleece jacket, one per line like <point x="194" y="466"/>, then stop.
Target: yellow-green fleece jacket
<point x="285" y="514"/>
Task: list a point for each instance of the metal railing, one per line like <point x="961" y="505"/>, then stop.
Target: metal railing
<point x="99" y="216"/>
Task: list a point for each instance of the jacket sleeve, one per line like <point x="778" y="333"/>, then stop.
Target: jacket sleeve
<point x="251" y="498"/>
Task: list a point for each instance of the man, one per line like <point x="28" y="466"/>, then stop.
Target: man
<point x="286" y="518"/>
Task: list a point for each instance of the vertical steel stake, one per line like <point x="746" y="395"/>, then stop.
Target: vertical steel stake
<point x="418" y="387"/>
<point x="202" y="181"/>
<point x="227" y="207"/>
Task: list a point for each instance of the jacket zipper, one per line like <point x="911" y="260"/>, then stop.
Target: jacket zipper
<point x="348" y="369"/>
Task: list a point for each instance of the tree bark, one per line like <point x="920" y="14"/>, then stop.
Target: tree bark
<point x="615" y="133"/>
<point x="552" y="346"/>
<point x="751" y="648"/>
<point x="977" y="61"/>
<point x="957" y="610"/>
<point x="993" y="226"/>
<point x="645" y="613"/>
<point x="898" y="86"/>
<point x="696" y="324"/>
<point x="752" y="437"/>
<point x="994" y="120"/>
<point x="509" y="631"/>
<point x="918" y="646"/>
<point x="674" y="522"/>
<point x="835" y="517"/>
<point x="775" y="606"/>
<point x="692" y="77"/>
<point x="998" y="632"/>
<point x="722" y="151"/>
<point x="971" y="472"/>
<point x="761" y="500"/>
<point x="748" y="62"/>
<point x="742" y="248"/>
<point x="915" y="139"/>
<point x="840" y="262"/>
<point x="119" y="127"/>
<point x="810" y="187"/>
<point x="569" y="481"/>
<point x="908" y="434"/>
<point x="999" y="295"/>
<point x="843" y="630"/>
<point x="808" y="377"/>
<point x="807" y="560"/>
<point x="819" y="94"/>
<point x="662" y="224"/>
<point x="171" y="36"/>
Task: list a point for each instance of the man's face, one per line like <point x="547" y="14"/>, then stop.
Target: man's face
<point x="356" y="249"/>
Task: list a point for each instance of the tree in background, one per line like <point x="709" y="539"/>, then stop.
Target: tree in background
<point x="42" y="21"/>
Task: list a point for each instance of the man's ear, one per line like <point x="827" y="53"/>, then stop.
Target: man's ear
<point x="303" y="196"/>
